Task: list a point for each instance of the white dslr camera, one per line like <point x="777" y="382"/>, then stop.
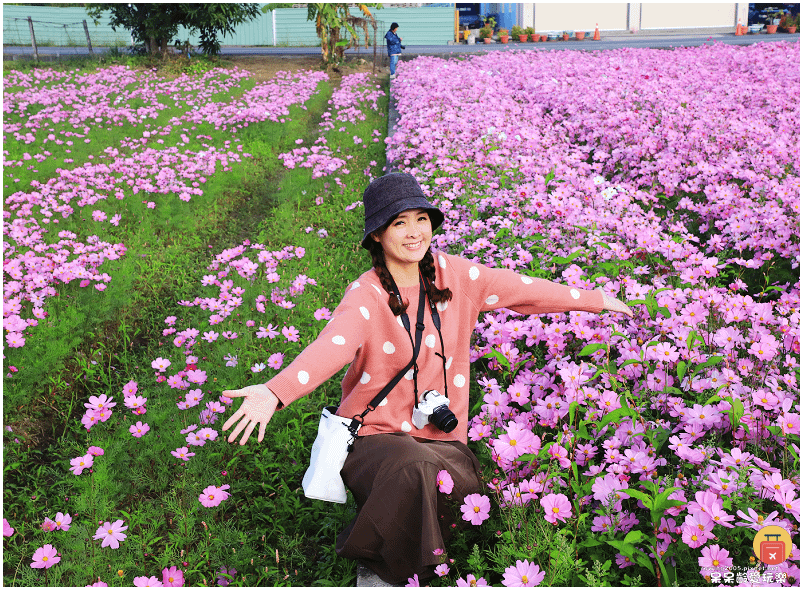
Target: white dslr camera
<point x="434" y="408"/>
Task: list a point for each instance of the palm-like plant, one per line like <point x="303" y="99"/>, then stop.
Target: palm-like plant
<point x="330" y="19"/>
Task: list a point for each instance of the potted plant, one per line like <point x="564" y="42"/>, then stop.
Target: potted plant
<point x="516" y="33"/>
<point x="789" y="23"/>
<point x="486" y="34"/>
<point x="579" y="35"/>
<point x="503" y="34"/>
<point x="771" y="29"/>
<point x="531" y="33"/>
<point x="490" y="22"/>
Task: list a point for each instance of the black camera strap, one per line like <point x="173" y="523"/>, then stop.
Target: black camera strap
<point x="358" y="420"/>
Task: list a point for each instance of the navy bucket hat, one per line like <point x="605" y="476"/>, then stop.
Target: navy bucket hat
<point x="388" y="196"/>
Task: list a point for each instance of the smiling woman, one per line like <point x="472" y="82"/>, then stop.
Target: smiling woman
<point x="406" y="439"/>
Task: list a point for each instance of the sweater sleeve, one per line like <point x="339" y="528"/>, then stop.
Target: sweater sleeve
<point x="493" y="288"/>
<point x="335" y="347"/>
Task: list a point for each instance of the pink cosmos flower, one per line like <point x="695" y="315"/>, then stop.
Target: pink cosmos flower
<point x="139" y="430"/>
<point x="275" y="360"/>
<point x="48" y="525"/>
<point x="133" y="402"/>
<point x="7" y="529"/>
<point x="111" y="534"/>
<point x="523" y="574"/>
<point x="63" y="521"/>
<point x="323" y="313"/>
<point x="693" y="536"/>
<point x="556" y="507"/>
<point x="45" y="557"/>
<point x="444" y="481"/>
<point x="98" y="584"/>
<point x="172" y="577"/>
<point x="160" y="364"/>
<point x="471" y="582"/>
<point x="197" y="376"/>
<point x="213" y="496"/>
<point x="291" y="333"/>
<point x="207" y="434"/>
<point x="81" y="463"/>
<point x="145" y="582"/>
<point x="475" y="508"/>
<point x="715" y="557"/>
<point x="413" y="582"/>
<point x="182" y="453"/>
<point x="96" y="451"/>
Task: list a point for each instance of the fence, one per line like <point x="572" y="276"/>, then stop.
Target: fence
<point x="419" y="25"/>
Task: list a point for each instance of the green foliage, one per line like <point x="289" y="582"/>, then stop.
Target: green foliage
<point x="95" y="343"/>
<point x="156" y="25"/>
<point x="330" y="18"/>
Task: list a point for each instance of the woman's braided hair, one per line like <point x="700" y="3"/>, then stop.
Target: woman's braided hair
<point x="426" y="266"/>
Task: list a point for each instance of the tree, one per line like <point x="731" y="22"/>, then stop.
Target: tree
<point x="156" y="25"/>
<point x="330" y="19"/>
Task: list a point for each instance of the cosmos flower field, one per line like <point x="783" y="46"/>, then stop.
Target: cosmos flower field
<point x="618" y="451"/>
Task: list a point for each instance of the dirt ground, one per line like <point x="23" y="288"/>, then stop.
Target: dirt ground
<point x="264" y="67"/>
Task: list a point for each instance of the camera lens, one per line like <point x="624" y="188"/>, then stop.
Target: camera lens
<point x="443" y="419"/>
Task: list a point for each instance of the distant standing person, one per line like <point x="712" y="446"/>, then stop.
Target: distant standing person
<point x="394" y="47"/>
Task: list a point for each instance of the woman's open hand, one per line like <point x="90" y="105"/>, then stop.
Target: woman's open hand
<point x="257" y="408"/>
<point x="613" y="304"/>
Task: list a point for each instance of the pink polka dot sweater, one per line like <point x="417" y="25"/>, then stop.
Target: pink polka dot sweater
<point x="366" y="334"/>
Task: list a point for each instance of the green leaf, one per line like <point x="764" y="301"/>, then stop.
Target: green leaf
<point x="713" y="361"/>
<point x="614" y="416"/>
<point x="634" y="537"/>
<point x="681" y="370"/>
<point x="592" y="348"/>
<point x="646" y="500"/>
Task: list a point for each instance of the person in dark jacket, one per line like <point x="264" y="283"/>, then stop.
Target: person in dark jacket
<point x="393" y="46"/>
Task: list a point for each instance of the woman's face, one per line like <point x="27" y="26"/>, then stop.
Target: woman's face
<point x="406" y="239"/>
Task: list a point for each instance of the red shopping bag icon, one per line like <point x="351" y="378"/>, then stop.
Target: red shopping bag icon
<point x="772" y="552"/>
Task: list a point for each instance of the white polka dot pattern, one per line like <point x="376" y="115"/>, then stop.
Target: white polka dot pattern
<point x="356" y="285"/>
<point x="384" y="402"/>
<point x="365" y="377"/>
<point x="430" y="341"/>
<point x="492" y="299"/>
<point x="448" y="363"/>
<point x="459" y="380"/>
<point x="527" y="280"/>
<point x="365" y="312"/>
<point x="377" y="289"/>
<point x="302" y="377"/>
<point x="474" y="273"/>
<point x="338" y="340"/>
<point x="441" y="306"/>
<point x="388" y="348"/>
<point x="442" y="261"/>
<point x="409" y="374"/>
<point x="575" y="294"/>
<point x="406" y="427"/>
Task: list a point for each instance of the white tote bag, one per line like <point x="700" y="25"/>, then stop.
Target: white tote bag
<point x="323" y="480"/>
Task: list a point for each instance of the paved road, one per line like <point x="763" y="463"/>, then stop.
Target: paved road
<point x="607" y="42"/>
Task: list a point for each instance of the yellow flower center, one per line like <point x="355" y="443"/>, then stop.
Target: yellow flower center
<point x="694" y="537"/>
<point x="524" y="579"/>
<point x="476" y="509"/>
<point x="44" y="558"/>
<point x="716" y="562"/>
<point x="211" y="497"/>
<point x="556" y="510"/>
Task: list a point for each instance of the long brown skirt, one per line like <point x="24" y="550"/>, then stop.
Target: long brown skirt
<point x="402" y="517"/>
